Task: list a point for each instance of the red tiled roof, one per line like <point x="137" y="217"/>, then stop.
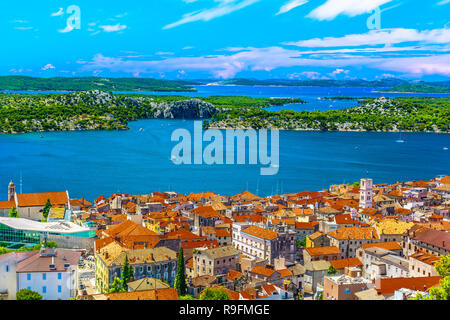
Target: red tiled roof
<point x="318" y="251"/>
<point x="390" y="285"/>
<point x="260" y="232"/>
<point x="39" y="199"/>
<point x="342" y="263"/>
<point x="158" y="294"/>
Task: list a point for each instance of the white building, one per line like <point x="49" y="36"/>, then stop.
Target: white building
<point x="51" y="272"/>
<point x="8" y="279"/>
<point x="365" y="193"/>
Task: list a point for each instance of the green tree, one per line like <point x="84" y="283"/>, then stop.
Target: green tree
<point x="443" y="266"/>
<point x="13" y="213"/>
<point x="46" y="209"/>
<point x="127" y="273"/>
<point x="331" y="271"/>
<point x="301" y="243"/>
<point x="356" y="184"/>
<point x="186" y="297"/>
<point x="26" y="294"/>
<point x="214" y="294"/>
<point x="180" y="279"/>
<point x="116" y="286"/>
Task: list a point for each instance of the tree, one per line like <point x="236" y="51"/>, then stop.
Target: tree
<point x="127" y="273"/>
<point x="180" y="279"/>
<point x="13" y="213"/>
<point x="443" y="266"/>
<point x="186" y="297"/>
<point x="214" y="294"/>
<point x="26" y="294"/>
<point x="331" y="271"/>
<point x="46" y="209"/>
<point x="302" y="243"/>
<point x="356" y="184"/>
<point x="116" y="286"/>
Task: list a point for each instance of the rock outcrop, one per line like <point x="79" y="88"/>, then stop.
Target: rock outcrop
<point x="188" y="109"/>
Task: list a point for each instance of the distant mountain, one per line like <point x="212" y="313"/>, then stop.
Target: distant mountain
<point x="92" y="83"/>
<point x="383" y="83"/>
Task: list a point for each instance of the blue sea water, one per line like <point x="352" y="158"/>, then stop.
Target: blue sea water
<point x="90" y="163"/>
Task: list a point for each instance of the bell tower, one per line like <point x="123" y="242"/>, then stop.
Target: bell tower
<point x="11" y="191"/>
<point x="365" y="193"/>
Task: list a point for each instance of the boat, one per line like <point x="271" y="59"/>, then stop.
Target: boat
<point x="400" y="140"/>
<point x="140" y="130"/>
<point x="445" y="148"/>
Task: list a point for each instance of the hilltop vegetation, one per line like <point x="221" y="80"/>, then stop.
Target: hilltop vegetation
<point x="400" y="114"/>
<point x="92" y="83"/>
<point x="419" y="88"/>
<point x="98" y="110"/>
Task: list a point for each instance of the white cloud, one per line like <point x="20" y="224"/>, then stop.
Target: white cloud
<point x="59" y="13"/>
<point x="48" y="66"/>
<point x="271" y="58"/>
<point x="68" y="28"/>
<point x="223" y="8"/>
<point x="292" y="4"/>
<point x="113" y="28"/>
<point x="442" y="2"/>
<point x="379" y="37"/>
<point x="332" y="8"/>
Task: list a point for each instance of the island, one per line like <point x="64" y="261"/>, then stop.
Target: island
<point x="101" y="110"/>
<point x="418" y="88"/>
<point x="21" y="83"/>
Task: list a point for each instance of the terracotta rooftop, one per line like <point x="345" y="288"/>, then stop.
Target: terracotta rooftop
<point x="318" y="251"/>
<point x="342" y="263"/>
<point x="159" y="294"/>
<point x="390" y="285"/>
<point x="260" y="232"/>
<point x="390" y="245"/>
<point x="354" y="233"/>
<point x="38" y="263"/>
<point x="39" y="199"/>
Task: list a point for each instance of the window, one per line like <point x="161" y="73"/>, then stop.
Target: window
<point x="28" y="276"/>
<point x="44" y="289"/>
<point x="7" y="268"/>
<point x="347" y="291"/>
<point x="59" y="275"/>
<point x="59" y="289"/>
<point x="44" y="276"/>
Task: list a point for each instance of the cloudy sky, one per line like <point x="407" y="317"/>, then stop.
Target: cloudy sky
<point x="221" y="39"/>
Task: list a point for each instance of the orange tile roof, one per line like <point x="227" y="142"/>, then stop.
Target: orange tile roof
<point x="389" y="285"/>
<point x="206" y="212"/>
<point x="261" y="233"/>
<point x="262" y="271"/>
<point x="390" y="245"/>
<point x="7" y="204"/>
<point x="342" y="263"/>
<point x="158" y="294"/>
<point x="39" y="199"/>
<point x="193" y="244"/>
<point x="128" y="228"/>
<point x="234" y="275"/>
<point x="425" y="257"/>
<point x="306" y="225"/>
<point x="285" y="273"/>
<point x="344" y="233"/>
<point x="318" y="251"/>
<point x="345" y="219"/>
<point x="222" y="233"/>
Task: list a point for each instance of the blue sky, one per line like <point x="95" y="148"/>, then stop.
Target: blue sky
<point x="220" y="39"/>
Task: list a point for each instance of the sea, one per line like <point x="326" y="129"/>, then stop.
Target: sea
<point x="139" y="161"/>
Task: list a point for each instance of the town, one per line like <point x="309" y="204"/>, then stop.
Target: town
<point x="360" y="241"/>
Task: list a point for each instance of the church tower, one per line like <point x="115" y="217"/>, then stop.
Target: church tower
<point x="11" y="191"/>
<point x="365" y="193"/>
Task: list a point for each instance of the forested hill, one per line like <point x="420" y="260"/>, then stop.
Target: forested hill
<point x="92" y="83"/>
